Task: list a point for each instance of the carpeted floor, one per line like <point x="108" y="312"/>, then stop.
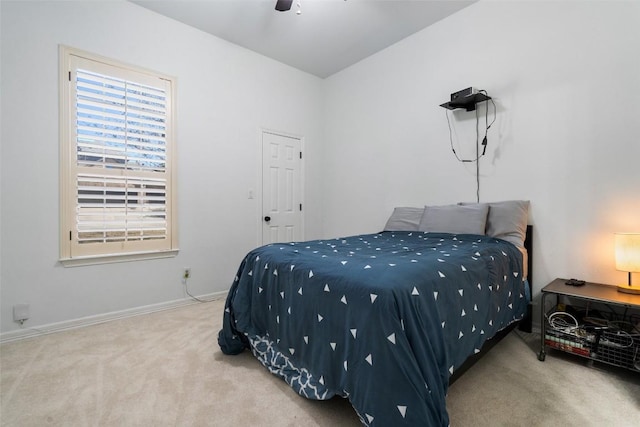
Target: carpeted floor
<point x="165" y="369"/>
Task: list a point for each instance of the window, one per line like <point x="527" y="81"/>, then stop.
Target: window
<point x="117" y="193"/>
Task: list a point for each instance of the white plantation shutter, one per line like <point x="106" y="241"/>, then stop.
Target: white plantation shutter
<point x="120" y="124"/>
<point x="114" y="209"/>
<point x="119" y="194"/>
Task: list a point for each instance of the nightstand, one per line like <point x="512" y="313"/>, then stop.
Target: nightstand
<point x="609" y="339"/>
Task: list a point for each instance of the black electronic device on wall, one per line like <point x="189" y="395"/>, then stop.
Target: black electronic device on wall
<point x="468" y="99"/>
<point x="465" y="98"/>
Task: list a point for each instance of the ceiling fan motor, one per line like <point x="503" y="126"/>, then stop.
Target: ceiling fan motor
<point x="283" y="5"/>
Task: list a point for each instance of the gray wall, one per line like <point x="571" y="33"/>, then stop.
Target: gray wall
<point x="226" y="94"/>
<point x="565" y="77"/>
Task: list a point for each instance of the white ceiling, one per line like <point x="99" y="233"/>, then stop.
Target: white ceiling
<point x="328" y="36"/>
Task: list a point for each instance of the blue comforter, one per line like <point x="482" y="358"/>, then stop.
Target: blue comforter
<point x="382" y="319"/>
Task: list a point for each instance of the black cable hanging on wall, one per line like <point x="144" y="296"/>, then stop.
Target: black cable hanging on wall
<point x="468" y="99"/>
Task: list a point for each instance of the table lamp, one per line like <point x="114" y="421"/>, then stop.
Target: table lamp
<point x="628" y="258"/>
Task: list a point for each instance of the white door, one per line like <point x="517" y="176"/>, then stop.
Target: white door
<point x="281" y="188"/>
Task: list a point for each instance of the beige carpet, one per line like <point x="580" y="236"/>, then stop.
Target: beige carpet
<point x="165" y="369"/>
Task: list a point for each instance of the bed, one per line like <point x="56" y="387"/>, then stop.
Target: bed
<point x="385" y="319"/>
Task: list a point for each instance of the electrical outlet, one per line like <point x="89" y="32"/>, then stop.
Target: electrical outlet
<point x="20" y="313"/>
<point x="187" y="273"/>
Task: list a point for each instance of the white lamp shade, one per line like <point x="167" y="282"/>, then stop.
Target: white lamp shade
<point x="628" y="252"/>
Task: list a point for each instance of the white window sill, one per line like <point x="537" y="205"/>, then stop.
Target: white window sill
<point x="113" y="258"/>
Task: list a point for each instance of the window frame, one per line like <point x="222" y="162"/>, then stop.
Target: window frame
<point x="72" y="253"/>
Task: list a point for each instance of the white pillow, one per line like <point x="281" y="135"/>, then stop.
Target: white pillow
<point x="404" y="219"/>
<point x="456" y="219"/>
<point x="507" y="220"/>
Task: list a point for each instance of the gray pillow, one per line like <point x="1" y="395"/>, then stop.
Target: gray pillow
<point x="404" y="219"/>
<point x="507" y="220"/>
<point x="457" y="219"/>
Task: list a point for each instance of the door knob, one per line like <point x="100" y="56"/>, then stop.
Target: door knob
<point x="267" y="218"/>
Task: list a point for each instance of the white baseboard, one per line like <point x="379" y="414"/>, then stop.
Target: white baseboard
<point x="29" y="332"/>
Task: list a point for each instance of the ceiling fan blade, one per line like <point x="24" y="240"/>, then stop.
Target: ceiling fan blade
<point x="283" y="5"/>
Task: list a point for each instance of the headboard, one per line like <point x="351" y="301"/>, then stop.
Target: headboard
<point x="528" y="245"/>
<point x="526" y="322"/>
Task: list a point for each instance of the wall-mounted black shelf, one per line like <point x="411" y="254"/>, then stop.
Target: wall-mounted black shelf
<point x="467" y="102"/>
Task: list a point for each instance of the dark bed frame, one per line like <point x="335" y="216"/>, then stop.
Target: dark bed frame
<point x="524" y="324"/>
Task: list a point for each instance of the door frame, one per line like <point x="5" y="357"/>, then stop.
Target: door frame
<point x="260" y="183"/>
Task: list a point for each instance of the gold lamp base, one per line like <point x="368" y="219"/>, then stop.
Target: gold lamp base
<point x="629" y="289"/>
